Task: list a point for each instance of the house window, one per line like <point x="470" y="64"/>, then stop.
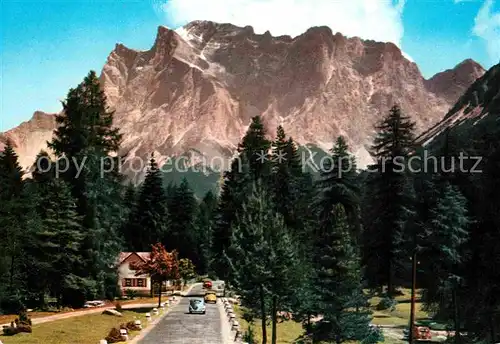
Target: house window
<point x="128" y="282"/>
<point x="141" y="282"/>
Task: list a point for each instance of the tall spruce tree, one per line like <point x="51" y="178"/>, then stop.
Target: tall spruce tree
<point x="337" y="283"/>
<point x="264" y="259"/>
<point x="13" y="221"/>
<point x="446" y="236"/>
<point x="390" y="201"/>
<point x="181" y="235"/>
<point x="86" y="139"/>
<point x="55" y="245"/>
<point x="235" y="190"/>
<point x="339" y="184"/>
<point x="203" y="228"/>
<point x="255" y="147"/>
<point x="149" y="220"/>
<point x="127" y="229"/>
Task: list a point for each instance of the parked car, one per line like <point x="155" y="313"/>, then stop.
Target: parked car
<point x="207" y="284"/>
<point x="420" y="333"/>
<point x="197" y="306"/>
<point x="211" y="297"/>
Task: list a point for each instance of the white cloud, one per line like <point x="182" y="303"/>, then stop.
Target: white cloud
<point x="368" y="19"/>
<point x="487" y="27"/>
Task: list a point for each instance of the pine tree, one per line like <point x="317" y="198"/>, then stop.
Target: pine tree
<point x="235" y="191"/>
<point x="262" y="258"/>
<point x="255" y="147"/>
<point x="55" y="247"/>
<point x="181" y="235"/>
<point x="338" y="184"/>
<point x="127" y="228"/>
<point x="12" y="213"/>
<point x="149" y="220"/>
<point x="86" y="139"/>
<point x="390" y="201"/>
<point x="246" y="256"/>
<point x="447" y="233"/>
<point x="337" y="283"/>
<point x="204" y="231"/>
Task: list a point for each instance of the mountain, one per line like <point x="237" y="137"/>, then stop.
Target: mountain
<point x="195" y="91"/>
<point x="475" y="112"/>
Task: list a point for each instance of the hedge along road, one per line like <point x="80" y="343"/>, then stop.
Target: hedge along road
<point x="180" y="327"/>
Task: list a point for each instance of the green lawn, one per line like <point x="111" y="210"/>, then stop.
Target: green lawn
<point x="288" y="331"/>
<point x="85" y="329"/>
<point x="400" y="316"/>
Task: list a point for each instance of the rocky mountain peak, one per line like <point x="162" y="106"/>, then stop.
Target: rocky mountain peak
<point x="197" y="88"/>
<point x="451" y="82"/>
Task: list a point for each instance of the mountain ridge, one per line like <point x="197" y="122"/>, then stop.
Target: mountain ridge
<point x="198" y="86"/>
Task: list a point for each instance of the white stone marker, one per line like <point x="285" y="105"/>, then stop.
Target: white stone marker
<point x="148" y="316"/>
<point x="138" y="323"/>
<point x="103" y="341"/>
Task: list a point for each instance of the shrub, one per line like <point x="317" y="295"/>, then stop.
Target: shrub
<point x="24" y="318"/>
<point x="131" y="326"/>
<point x="11" y="303"/>
<point x="386" y="303"/>
<point x="118" y="307"/>
<point x="21" y="324"/>
<point x="249" y="335"/>
<point x="114" y="336"/>
<point x="132" y="294"/>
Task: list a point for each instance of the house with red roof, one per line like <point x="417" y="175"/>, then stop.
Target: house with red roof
<point x="127" y="279"/>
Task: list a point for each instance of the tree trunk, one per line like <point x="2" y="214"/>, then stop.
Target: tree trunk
<point x="263" y="314"/>
<point x="456" y="318"/>
<point x="159" y="294"/>
<point x="390" y="285"/>
<point x="274" y="312"/>
<point x="11" y="277"/>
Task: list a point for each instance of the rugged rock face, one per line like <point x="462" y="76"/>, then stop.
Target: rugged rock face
<point x="196" y="89"/>
<point x="480" y="103"/>
<point x="30" y="137"/>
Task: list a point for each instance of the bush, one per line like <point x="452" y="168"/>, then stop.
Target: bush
<point x="131" y="293"/>
<point x="374" y="336"/>
<point x="118" y="307"/>
<point x="249" y="335"/>
<point x="131" y="326"/>
<point x="114" y="336"/>
<point x="386" y="303"/>
<point x="12" y="303"/>
<point x="21" y="324"/>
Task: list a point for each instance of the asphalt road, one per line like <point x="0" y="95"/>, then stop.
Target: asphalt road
<point x="180" y="327"/>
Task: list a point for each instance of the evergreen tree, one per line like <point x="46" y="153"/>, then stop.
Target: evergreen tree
<point x="181" y="235"/>
<point x="390" y="201"/>
<point x="248" y="255"/>
<point x="447" y="233"/>
<point x="149" y="219"/>
<point x="86" y="139"/>
<point x="203" y="228"/>
<point x="54" y="248"/>
<point x="338" y="184"/>
<point x="235" y="190"/>
<point x="255" y="147"/>
<point x="264" y="259"/>
<point x="337" y="282"/>
<point x="127" y="228"/>
<point x="12" y="215"/>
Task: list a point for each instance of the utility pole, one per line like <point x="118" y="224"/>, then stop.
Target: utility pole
<point x="413" y="292"/>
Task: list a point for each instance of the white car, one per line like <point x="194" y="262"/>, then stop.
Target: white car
<point x="197" y="306"/>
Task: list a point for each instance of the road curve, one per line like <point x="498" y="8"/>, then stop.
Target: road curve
<point x="180" y="327"/>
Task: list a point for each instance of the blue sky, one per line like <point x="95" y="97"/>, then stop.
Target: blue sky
<point x="49" y="46"/>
